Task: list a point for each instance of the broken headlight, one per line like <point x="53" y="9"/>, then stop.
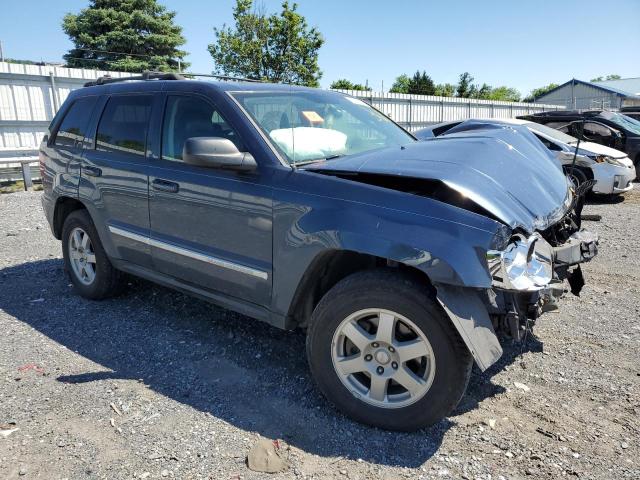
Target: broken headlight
<point x="525" y="264"/>
<point x="607" y="159"/>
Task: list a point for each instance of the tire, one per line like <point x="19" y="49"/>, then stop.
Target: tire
<point x="106" y="280"/>
<point x="577" y="176"/>
<point x="444" y="370"/>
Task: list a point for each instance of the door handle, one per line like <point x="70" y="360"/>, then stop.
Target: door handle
<point x="165" y="186"/>
<point x="92" y="171"/>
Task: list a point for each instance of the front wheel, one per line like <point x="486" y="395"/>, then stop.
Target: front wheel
<point x="384" y="352"/>
<point x="576" y="175"/>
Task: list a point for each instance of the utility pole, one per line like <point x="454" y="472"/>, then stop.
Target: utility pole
<point x="1" y="54"/>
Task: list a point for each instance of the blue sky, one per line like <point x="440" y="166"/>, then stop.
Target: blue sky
<point x="518" y="43"/>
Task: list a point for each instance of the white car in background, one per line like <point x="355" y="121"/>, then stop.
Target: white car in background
<point x="612" y="169"/>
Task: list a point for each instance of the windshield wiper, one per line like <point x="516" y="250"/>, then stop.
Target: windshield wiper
<point x="315" y="160"/>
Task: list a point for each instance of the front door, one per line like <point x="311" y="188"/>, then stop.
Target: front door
<point x="209" y="227"/>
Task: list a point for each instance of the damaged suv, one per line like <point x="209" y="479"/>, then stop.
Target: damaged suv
<point x="404" y="261"/>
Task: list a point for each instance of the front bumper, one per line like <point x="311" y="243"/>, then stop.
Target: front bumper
<point x="480" y="316"/>
<point x="581" y="247"/>
<point x="612" y="179"/>
<point x="513" y="310"/>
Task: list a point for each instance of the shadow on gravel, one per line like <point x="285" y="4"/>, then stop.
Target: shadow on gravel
<point x="594" y="199"/>
<point x="242" y="371"/>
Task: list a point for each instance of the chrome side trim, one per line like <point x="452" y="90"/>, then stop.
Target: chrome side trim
<point x="127" y="234"/>
<point x="218" y="262"/>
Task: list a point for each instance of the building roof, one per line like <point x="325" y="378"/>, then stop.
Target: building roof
<point x="599" y="85"/>
<point x="629" y="85"/>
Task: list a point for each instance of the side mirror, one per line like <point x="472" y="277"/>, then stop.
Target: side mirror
<point x="216" y="152"/>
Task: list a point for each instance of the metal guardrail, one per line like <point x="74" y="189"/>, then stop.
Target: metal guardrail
<point x="24" y="165"/>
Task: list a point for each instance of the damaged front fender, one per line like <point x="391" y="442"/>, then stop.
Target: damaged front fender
<point x="469" y="315"/>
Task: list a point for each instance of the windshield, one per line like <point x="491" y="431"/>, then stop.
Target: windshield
<point x="314" y="125"/>
<point x="625" y="122"/>
<point x="551" y="132"/>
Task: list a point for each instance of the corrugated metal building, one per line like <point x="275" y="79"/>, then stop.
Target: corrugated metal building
<point x="578" y="94"/>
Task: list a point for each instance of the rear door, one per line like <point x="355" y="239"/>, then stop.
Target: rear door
<point x="209" y="227"/>
<point x="115" y="175"/>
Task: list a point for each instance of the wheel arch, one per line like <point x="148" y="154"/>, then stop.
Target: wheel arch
<point x="586" y="170"/>
<point x="64" y="206"/>
<point x="331" y="266"/>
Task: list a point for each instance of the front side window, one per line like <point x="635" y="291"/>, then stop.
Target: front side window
<point x="186" y="117"/>
<point x="596" y="130"/>
<point x="124" y="124"/>
<point x="307" y="125"/>
<point x="74" y="125"/>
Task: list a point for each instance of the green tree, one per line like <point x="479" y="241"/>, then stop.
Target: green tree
<point x="126" y="35"/>
<point x="612" y="76"/>
<point x="401" y="84"/>
<point x="465" y="86"/>
<point x="421" y="84"/>
<point x="344" y="84"/>
<point x="538" y="92"/>
<point x="23" y="62"/>
<point x="445" y="90"/>
<point x="277" y="48"/>
<point x="504" y="94"/>
<point x="483" y="92"/>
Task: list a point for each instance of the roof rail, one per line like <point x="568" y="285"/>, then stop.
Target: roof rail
<point x="145" y="76"/>
<point x="225" y="77"/>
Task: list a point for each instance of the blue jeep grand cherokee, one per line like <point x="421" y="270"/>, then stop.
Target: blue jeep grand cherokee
<point x="402" y="260"/>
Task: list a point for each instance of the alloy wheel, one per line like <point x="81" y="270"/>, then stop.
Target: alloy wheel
<point x="383" y="358"/>
<point x="81" y="256"/>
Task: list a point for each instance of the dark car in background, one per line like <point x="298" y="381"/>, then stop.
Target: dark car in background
<point x="402" y="260"/>
<point x="633" y="112"/>
<point x="611" y="129"/>
<point x="610" y="169"/>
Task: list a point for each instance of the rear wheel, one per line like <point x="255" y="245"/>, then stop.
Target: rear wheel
<point x="383" y="351"/>
<point x="85" y="260"/>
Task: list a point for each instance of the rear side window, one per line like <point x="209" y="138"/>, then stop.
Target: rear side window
<point x="124" y="123"/>
<point x="74" y="124"/>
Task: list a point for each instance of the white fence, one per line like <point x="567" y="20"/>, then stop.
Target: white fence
<point x="31" y="94"/>
<point x="417" y="111"/>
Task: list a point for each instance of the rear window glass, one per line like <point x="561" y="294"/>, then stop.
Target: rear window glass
<point x="124" y="123"/>
<point x="74" y="125"/>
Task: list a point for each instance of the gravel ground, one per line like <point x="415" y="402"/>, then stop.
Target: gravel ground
<point x="155" y="384"/>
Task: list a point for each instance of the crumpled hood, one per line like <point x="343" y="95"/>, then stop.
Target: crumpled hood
<point x="501" y="169"/>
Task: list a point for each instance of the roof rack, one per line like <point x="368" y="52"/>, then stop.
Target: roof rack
<point x="145" y="76"/>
